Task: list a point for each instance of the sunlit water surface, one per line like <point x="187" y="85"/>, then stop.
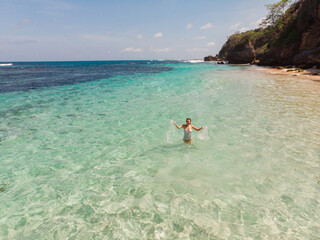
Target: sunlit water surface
<point x="99" y="158"/>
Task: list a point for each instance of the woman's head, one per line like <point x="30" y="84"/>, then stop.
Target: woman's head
<point x="188" y="120"/>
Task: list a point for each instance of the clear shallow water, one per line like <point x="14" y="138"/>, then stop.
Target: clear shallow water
<point x="99" y="159"/>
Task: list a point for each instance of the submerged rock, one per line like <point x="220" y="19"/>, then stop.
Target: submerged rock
<point x="3" y="187"/>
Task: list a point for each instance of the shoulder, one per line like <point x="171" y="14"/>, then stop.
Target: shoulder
<point x="183" y="125"/>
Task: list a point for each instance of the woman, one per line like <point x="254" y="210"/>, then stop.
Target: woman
<point x="187" y="130"/>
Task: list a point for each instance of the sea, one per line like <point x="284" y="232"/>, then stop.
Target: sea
<point x="88" y="150"/>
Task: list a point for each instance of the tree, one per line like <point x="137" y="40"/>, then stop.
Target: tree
<point x="276" y="11"/>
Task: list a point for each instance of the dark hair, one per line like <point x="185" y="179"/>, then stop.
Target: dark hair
<point x="188" y="119"/>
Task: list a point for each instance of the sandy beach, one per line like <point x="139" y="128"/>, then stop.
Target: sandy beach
<point x="311" y="73"/>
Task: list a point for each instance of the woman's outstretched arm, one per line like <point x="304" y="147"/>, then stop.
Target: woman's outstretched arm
<point x="197" y="129"/>
<point x="177" y="125"/>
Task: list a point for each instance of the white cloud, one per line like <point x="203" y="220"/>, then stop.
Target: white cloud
<point x="130" y="49"/>
<point x="235" y="26"/>
<point x="211" y="44"/>
<point x="139" y="36"/>
<point x="189" y="26"/>
<point x="259" y="21"/>
<point x="244" y="29"/>
<point x="256" y="24"/>
<point x="161" y="50"/>
<point x="206" y="26"/>
<point x="200" y="38"/>
<point x="192" y="50"/>
<point x="158" y="35"/>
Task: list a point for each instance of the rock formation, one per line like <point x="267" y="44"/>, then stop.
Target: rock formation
<point x="212" y="58"/>
<point x="296" y="43"/>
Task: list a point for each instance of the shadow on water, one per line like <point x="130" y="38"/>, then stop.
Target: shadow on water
<point x="16" y="111"/>
<point x="28" y="76"/>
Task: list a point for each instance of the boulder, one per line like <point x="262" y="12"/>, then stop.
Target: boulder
<point x="210" y="58"/>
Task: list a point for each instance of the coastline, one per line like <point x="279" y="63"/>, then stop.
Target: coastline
<point x="310" y="73"/>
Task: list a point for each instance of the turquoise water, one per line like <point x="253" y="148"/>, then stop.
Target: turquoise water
<point x="100" y="159"/>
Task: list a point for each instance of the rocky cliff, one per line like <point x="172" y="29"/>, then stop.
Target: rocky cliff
<point x="296" y="42"/>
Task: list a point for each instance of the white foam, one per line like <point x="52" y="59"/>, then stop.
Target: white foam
<point x="203" y="134"/>
<point x="172" y="134"/>
<point x="5" y="64"/>
<point x="193" y="61"/>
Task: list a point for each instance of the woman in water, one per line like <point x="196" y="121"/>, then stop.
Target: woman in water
<point x="187" y="130"/>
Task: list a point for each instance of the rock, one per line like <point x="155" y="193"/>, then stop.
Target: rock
<point x="308" y="58"/>
<point x="3" y="187"/>
<point x="210" y="58"/>
<point x="296" y="43"/>
<point x="237" y="50"/>
<point x="240" y="56"/>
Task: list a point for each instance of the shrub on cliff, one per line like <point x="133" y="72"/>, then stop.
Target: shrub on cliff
<point x="290" y="37"/>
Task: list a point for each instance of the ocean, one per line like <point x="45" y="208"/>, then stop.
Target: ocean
<point x="88" y="151"/>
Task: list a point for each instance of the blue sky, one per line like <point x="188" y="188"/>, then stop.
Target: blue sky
<point x="40" y="30"/>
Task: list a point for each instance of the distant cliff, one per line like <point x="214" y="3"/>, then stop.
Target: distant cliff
<point x="293" y="40"/>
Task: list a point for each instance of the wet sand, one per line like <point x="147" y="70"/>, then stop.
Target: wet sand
<point x="311" y="73"/>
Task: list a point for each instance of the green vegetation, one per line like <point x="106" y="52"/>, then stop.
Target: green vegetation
<point x="258" y="39"/>
<point x="289" y="34"/>
<point x="278" y="30"/>
<point x="263" y="49"/>
<point x="294" y="70"/>
<point x="282" y="23"/>
<point x="275" y="15"/>
<point x="241" y="39"/>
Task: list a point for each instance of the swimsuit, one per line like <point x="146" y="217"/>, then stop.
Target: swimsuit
<point x="187" y="133"/>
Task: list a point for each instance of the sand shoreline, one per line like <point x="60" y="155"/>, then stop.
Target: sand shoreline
<point x="311" y="73"/>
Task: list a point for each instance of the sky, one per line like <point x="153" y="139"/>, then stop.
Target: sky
<point x="70" y="30"/>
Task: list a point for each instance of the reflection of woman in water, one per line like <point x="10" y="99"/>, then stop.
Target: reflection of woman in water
<point x="187" y="130"/>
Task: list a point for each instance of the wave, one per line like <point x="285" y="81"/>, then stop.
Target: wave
<point x="5" y="64"/>
<point x="193" y="61"/>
